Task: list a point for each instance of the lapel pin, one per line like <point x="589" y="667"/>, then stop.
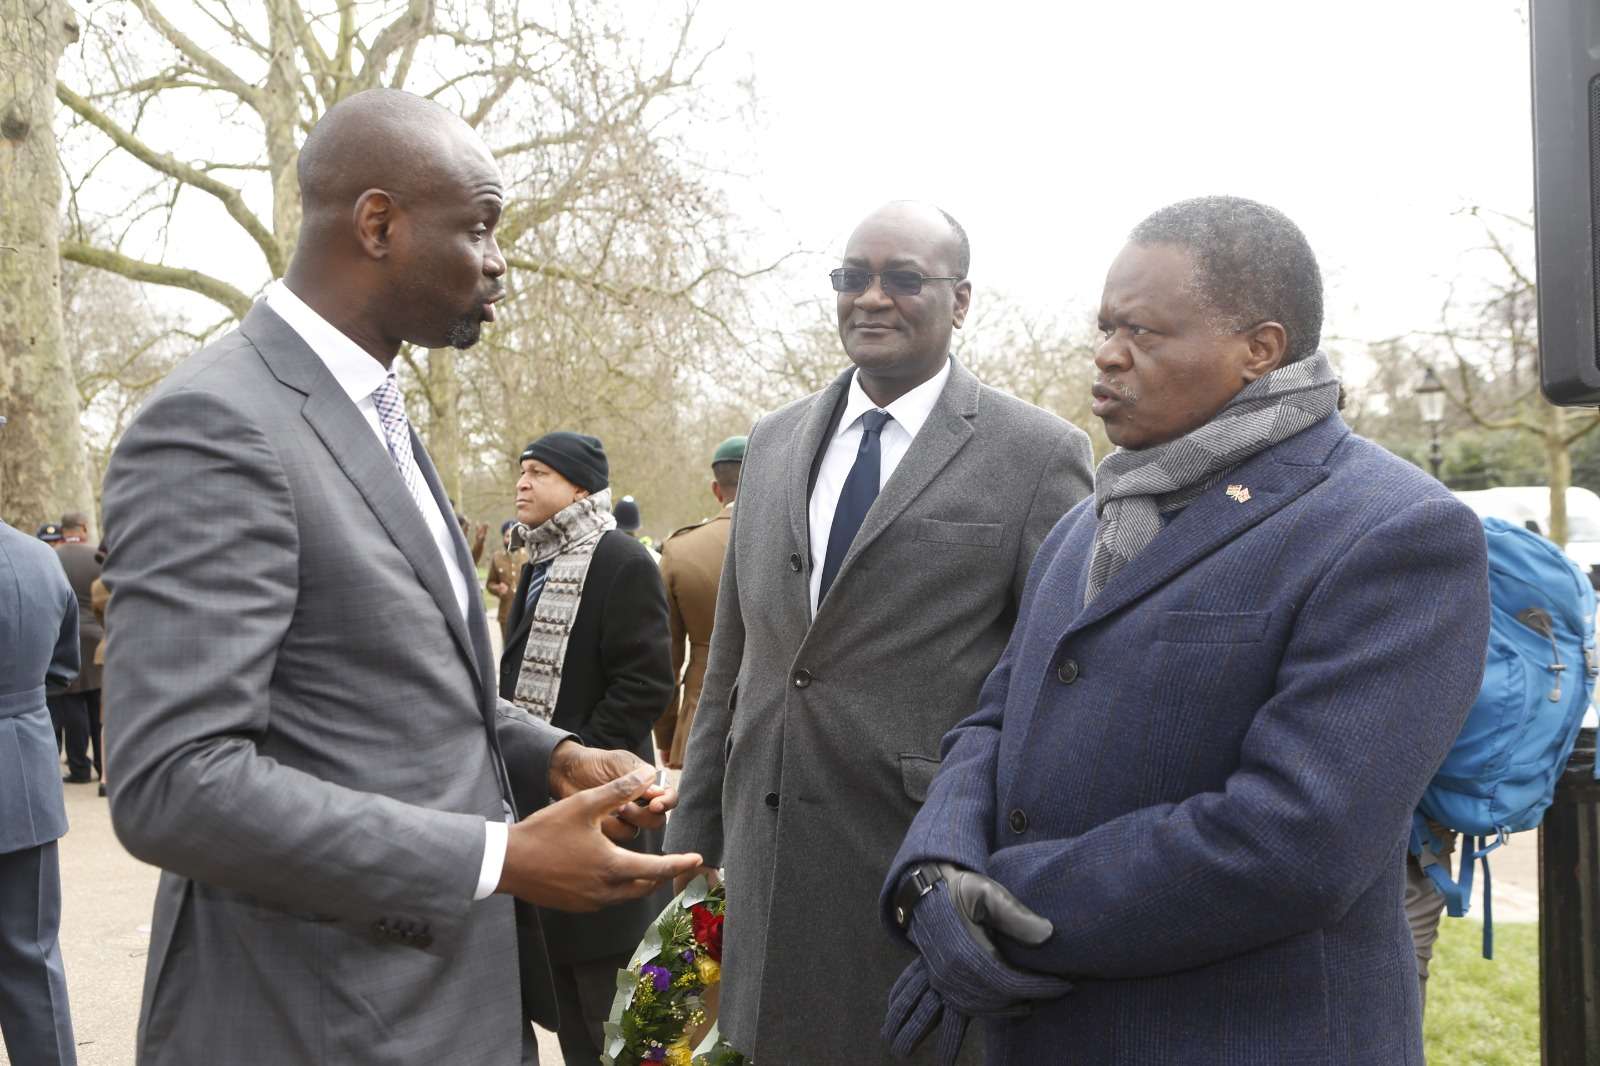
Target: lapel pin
<point x="1238" y="494"/>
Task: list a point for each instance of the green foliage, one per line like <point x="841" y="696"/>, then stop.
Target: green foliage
<point x="1483" y="1012"/>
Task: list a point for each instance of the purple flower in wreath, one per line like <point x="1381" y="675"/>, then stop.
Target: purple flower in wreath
<point x="655" y="1054"/>
<point x="688" y="955"/>
<point x="662" y="979"/>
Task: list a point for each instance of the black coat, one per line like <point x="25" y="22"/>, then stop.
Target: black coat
<point x="616" y="680"/>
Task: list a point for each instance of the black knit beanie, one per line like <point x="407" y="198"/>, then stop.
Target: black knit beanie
<point x="578" y="458"/>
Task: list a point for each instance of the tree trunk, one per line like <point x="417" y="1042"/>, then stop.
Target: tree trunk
<point x="444" y="419"/>
<point x="280" y="116"/>
<point x="1559" y="460"/>
<point x="42" y="466"/>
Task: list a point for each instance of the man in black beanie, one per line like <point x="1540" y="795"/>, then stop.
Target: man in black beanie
<point x="587" y="650"/>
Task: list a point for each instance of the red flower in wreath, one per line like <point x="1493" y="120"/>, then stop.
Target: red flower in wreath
<point x="707" y="930"/>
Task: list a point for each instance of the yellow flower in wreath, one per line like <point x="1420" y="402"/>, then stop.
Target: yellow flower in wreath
<point x="710" y="972"/>
<point x="679" y="1053"/>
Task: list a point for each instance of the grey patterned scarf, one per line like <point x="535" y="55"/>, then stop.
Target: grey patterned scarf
<point x="567" y="541"/>
<point x="1133" y="488"/>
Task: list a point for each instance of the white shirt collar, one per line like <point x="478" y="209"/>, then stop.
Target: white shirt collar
<point x="909" y="411"/>
<point x="356" y="371"/>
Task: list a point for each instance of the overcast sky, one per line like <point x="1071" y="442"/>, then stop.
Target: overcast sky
<point x="1050" y="129"/>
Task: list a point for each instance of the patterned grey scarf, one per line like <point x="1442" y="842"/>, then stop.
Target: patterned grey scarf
<point x="1133" y="488"/>
<point x="567" y="541"/>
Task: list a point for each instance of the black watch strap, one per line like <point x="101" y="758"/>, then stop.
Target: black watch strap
<point x="917" y="882"/>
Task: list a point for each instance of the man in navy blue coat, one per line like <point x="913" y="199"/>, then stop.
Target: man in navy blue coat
<point x="1233" y="672"/>
<point x="38" y="648"/>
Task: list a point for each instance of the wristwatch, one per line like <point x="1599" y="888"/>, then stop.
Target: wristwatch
<point x="918" y="882"/>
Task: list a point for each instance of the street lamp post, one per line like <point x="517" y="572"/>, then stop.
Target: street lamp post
<point x="1430" y="399"/>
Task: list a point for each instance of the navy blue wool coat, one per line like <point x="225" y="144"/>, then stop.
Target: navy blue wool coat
<point x="1204" y="779"/>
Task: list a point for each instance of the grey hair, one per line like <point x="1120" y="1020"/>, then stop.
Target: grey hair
<point x="1252" y="264"/>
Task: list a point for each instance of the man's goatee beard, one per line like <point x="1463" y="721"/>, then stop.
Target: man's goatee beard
<point x="464" y="331"/>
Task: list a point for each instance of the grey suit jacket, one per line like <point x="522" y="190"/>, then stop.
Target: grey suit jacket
<point x="39" y="635"/>
<point x="305" y="734"/>
<point x="814" y="741"/>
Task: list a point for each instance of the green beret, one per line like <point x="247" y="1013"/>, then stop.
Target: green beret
<point x="729" y="451"/>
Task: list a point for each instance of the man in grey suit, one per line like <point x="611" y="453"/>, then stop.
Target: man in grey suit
<point x="308" y="738"/>
<point x="39" y="632"/>
<point x="884" y="530"/>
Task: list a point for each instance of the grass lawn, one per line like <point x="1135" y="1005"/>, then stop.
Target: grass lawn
<point x="1483" y="1013"/>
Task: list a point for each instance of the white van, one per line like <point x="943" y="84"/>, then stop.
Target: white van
<point x="1529" y="506"/>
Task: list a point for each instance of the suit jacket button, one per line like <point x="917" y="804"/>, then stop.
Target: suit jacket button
<point x="772" y="800"/>
<point x="1067" y="672"/>
<point x="802" y="678"/>
<point x="795" y="562"/>
<point x="381" y="927"/>
<point x="1019" y="821"/>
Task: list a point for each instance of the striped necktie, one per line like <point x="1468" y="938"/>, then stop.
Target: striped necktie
<point x="535" y="586"/>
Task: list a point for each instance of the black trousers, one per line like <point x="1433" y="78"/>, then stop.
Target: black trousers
<point x="584" y="992"/>
<point x="76" y="716"/>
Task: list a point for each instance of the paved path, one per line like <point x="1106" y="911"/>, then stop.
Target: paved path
<point x="105" y="927"/>
<point x="105" y="933"/>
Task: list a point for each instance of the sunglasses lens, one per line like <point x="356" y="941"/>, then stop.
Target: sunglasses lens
<point x="902" y="282"/>
<point x="849" y="280"/>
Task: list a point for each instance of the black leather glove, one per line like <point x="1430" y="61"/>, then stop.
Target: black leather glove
<point x="961" y="974"/>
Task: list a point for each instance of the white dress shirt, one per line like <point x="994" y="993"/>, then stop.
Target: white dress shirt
<point x="359" y="374"/>
<point x="906" y="416"/>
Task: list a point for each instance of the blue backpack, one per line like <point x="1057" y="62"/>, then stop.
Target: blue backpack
<point x="1538" y="678"/>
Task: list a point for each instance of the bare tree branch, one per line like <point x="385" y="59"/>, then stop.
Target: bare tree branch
<point x="230" y="197"/>
<point x="221" y="72"/>
<point x="408" y="26"/>
<point x="158" y="274"/>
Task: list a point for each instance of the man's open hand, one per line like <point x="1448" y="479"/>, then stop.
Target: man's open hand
<point x="560" y="857"/>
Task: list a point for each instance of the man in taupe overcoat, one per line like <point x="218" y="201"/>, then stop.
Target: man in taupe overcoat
<point x="884" y="529"/>
<point x="691" y="566"/>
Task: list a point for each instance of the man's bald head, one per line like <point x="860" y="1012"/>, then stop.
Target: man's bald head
<point x="898" y="338"/>
<point x="380" y="138"/>
<point x="400" y="199"/>
<point x="921" y="213"/>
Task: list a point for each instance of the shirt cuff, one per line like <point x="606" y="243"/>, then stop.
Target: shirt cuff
<point x="495" y="835"/>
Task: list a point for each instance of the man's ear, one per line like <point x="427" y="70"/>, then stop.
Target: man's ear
<point x="1266" y="347"/>
<point x="374" y="216"/>
<point x="963" y="301"/>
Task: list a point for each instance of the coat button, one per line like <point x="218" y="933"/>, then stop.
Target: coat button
<point x="1019" y="821"/>
<point x="795" y="562"/>
<point x="381" y="927"/>
<point x="1067" y="672"/>
<point x="802" y="678"/>
<point x="772" y="800"/>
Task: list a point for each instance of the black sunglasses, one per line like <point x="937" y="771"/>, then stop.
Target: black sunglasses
<point x="895" y="282"/>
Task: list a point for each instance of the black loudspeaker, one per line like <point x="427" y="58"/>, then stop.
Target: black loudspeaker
<point x="1566" y="197"/>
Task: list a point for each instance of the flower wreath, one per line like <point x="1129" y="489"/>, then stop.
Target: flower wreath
<point x="661" y="997"/>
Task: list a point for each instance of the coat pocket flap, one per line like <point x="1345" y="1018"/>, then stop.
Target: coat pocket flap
<point x="916" y="775"/>
<point x="978" y="534"/>
<point x="1213" y="627"/>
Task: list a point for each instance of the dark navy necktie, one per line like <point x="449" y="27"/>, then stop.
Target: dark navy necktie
<point x="860" y="489"/>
